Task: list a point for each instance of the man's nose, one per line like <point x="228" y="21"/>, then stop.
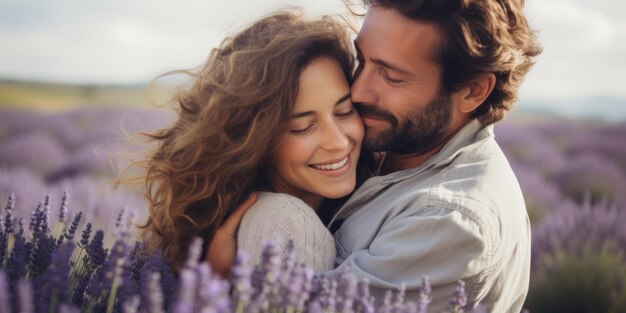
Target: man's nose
<point x="362" y="89"/>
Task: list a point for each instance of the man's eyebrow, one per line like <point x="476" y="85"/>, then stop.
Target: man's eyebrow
<point x="391" y="66"/>
<point x="306" y="113"/>
<point x="382" y="63"/>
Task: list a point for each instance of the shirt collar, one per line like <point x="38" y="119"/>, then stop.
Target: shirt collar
<point x="470" y="135"/>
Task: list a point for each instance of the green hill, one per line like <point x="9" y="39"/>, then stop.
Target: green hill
<point x="59" y="97"/>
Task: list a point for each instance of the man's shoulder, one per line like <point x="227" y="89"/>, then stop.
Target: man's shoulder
<point x="482" y="174"/>
<point x="478" y="183"/>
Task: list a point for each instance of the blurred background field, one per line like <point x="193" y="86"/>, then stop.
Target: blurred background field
<point x="572" y="173"/>
<point x="54" y="97"/>
<point x="73" y="86"/>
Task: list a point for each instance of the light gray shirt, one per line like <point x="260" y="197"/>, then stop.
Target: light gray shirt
<point x="459" y="215"/>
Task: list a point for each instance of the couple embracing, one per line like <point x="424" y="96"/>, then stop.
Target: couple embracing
<point x="397" y="150"/>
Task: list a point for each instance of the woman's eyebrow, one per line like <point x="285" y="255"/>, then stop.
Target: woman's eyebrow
<point x="342" y="99"/>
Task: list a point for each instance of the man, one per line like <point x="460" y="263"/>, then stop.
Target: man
<point x="434" y="75"/>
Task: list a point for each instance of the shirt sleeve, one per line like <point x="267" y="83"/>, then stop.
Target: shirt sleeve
<point x="440" y="244"/>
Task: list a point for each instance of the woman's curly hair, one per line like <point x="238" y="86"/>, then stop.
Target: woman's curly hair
<point x="213" y="155"/>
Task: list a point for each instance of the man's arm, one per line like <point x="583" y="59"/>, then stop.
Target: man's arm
<point x="442" y="244"/>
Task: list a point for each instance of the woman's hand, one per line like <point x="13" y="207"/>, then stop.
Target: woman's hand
<point x="223" y="248"/>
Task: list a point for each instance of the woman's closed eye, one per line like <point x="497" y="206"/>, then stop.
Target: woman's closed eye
<point x="301" y="129"/>
<point x="345" y="114"/>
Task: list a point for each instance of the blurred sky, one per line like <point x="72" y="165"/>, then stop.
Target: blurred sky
<point x="132" y="41"/>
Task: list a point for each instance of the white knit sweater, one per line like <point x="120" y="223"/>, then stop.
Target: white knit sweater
<point x="281" y="217"/>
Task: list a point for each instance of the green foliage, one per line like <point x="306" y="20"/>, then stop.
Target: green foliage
<point x="586" y="283"/>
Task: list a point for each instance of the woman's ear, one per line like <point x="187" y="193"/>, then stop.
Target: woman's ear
<point x="476" y="92"/>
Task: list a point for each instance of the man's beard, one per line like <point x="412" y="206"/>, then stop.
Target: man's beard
<point x="421" y="131"/>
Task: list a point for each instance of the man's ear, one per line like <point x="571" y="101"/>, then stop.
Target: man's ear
<point x="476" y="92"/>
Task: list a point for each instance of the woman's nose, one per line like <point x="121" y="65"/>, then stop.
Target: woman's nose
<point x="334" y="138"/>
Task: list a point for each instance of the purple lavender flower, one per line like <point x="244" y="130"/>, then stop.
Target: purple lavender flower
<point x="103" y="285"/>
<point x="540" y="194"/>
<point x="25" y="296"/>
<point x="574" y="228"/>
<point x="459" y="300"/>
<point x="307" y="275"/>
<point x="189" y="279"/>
<point x="288" y="282"/>
<point x="94" y="273"/>
<point x="423" y="296"/>
<point x="63" y="208"/>
<point x="347" y="291"/>
<point x="386" y="305"/>
<point x="606" y="141"/>
<point x="194" y="253"/>
<point x="78" y="292"/>
<point x="529" y="146"/>
<point x="67" y="308"/>
<point x="8" y="218"/>
<point x="212" y="295"/>
<point x="327" y="294"/>
<point x="5" y="297"/>
<point x="155" y="296"/>
<point x="292" y="285"/>
<point x="37" y="220"/>
<point x="186" y="293"/>
<point x="41" y="255"/>
<point x="240" y="274"/>
<point x="397" y="299"/>
<point x="114" y="268"/>
<point x="120" y="217"/>
<point x="19" y="258"/>
<point x="155" y="263"/>
<point x="4" y="246"/>
<point x="130" y="276"/>
<point x="29" y="184"/>
<point x="136" y="260"/>
<point x="365" y="300"/>
<point x="69" y="234"/>
<point x="265" y="277"/>
<point x="594" y="174"/>
<point x="289" y="261"/>
<point x="315" y="307"/>
<point x="52" y="287"/>
<point x="96" y="254"/>
<point x="38" y="152"/>
<point x="84" y="240"/>
<point x="131" y="305"/>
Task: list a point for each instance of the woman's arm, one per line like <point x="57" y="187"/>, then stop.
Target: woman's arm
<point x="223" y="248"/>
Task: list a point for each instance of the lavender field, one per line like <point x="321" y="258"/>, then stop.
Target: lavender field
<point x="573" y="176"/>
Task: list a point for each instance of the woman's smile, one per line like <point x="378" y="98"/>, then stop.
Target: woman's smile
<point x="333" y="168"/>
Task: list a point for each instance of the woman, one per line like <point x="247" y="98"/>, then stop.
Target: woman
<point x="270" y="111"/>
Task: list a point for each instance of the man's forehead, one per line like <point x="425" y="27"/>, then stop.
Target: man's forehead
<point x="392" y="34"/>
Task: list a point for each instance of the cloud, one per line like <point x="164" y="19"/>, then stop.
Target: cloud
<point x="583" y="50"/>
<point x="121" y="41"/>
<point x="117" y="41"/>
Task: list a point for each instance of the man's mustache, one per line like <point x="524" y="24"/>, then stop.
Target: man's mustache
<point x="376" y="113"/>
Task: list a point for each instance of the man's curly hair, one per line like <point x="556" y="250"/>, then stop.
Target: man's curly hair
<point x="479" y="36"/>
